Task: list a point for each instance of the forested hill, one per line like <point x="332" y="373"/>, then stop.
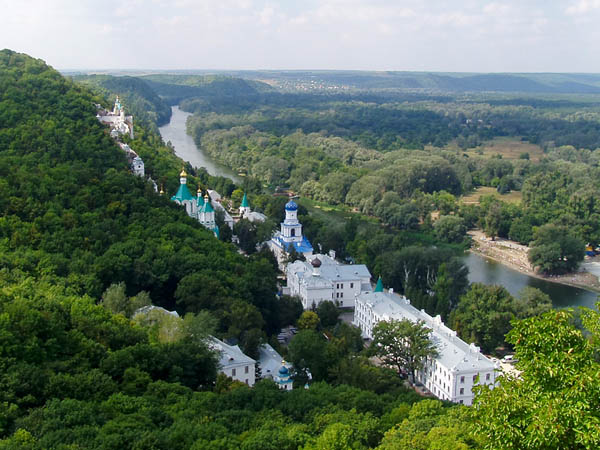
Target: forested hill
<point x="141" y="100"/>
<point x="71" y="211"/>
<point x="174" y="88"/>
<point x="549" y="83"/>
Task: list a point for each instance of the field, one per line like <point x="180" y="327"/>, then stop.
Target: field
<point x="509" y="148"/>
<point x="511" y="197"/>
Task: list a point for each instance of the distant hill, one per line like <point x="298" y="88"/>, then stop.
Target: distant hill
<point x="455" y="82"/>
<point x="174" y="88"/>
<point x="139" y="98"/>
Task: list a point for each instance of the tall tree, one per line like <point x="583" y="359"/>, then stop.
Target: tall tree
<point x="483" y="315"/>
<point x="556" y="250"/>
<point x="403" y="344"/>
<point x="555" y="402"/>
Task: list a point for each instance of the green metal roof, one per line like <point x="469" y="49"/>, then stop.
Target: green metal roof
<point x="183" y="193"/>
<point x="379" y="287"/>
<point x="245" y="201"/>
<point x="207" y="208"/>
<point x="200" y="201"/>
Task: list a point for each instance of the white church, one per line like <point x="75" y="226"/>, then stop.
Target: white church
<point x="290" y="236"/>
<point x="118" y="121"/>
<point x="196" y="207"/>
<point x="247" y="213"/>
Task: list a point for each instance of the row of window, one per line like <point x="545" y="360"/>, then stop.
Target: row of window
<point x="246" y="370"/>
<point x="487" y="378"/>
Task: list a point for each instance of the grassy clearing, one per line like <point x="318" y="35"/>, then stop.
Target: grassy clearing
<point x="473" y="198"/>
<point x="509" y="148"/>
<point x="338" y="214"/>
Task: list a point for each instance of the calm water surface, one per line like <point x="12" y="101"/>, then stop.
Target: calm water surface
<point x="186" y="149"/>
<point x="483" y="270"/>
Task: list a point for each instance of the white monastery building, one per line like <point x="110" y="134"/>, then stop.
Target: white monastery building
<point x="290" y="236"/>
<point x="215" y="199"/>
<point x="322" y="278"/>
<point x="234" y="363"/>
<point x="135" y="162"/>
<point x="118" y="121"/>
<point x="459" y="366"/>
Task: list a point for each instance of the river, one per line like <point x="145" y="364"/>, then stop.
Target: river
<point x="487" y="271"/>
<point x="185" y="147"/>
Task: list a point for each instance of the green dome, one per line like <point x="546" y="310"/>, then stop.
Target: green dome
<point x="379" y="287"/>
<point x="182" y="194"/>
<point x="207" y="208"/>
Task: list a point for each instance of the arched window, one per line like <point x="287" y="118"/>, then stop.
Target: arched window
<point x="293" y="232"/>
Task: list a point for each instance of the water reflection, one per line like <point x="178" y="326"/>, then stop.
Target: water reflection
<point x="483" y="270"/>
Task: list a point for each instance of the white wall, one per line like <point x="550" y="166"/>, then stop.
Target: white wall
<point x="246" y="373"/>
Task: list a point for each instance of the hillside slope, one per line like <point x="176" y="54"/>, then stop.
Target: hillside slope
<point x="71" y="210"/>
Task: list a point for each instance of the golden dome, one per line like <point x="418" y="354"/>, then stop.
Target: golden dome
<point x="183" y="174"/>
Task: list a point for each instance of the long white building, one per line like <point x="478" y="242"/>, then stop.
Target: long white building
<point x="459" y="366"/>
<point x="322" y="278"/>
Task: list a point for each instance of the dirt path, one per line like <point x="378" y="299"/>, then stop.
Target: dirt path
<point x="514" y="255"/>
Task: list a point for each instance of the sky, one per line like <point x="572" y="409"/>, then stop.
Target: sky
<point x="405" y="35"/>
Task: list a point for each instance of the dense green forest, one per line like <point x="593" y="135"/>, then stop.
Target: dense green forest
<point x="72" y="210"/>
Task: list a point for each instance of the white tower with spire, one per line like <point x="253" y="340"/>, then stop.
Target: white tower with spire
<point x="290" y="237"/>
<point x="291" y="229"/>
<point x="245" y="208"/>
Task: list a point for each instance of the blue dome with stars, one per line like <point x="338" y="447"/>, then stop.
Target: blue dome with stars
<point x="291" y="206"/>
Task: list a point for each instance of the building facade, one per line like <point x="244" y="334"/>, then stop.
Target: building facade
<point x="321" y="278"/>
<point x="234" y="363"/>
<point x="458" y="367"/>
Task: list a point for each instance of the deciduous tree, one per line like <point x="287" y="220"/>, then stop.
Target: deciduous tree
<point x="403" y="345"/>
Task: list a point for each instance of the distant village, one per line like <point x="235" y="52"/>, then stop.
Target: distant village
<point x="317" y="278"/>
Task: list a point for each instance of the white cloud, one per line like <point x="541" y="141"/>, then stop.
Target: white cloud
<point x="583" y="7"/>
<point x="266" y="15"/>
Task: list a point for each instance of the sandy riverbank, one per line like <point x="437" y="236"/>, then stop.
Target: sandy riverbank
<point x="514" y="255"/>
